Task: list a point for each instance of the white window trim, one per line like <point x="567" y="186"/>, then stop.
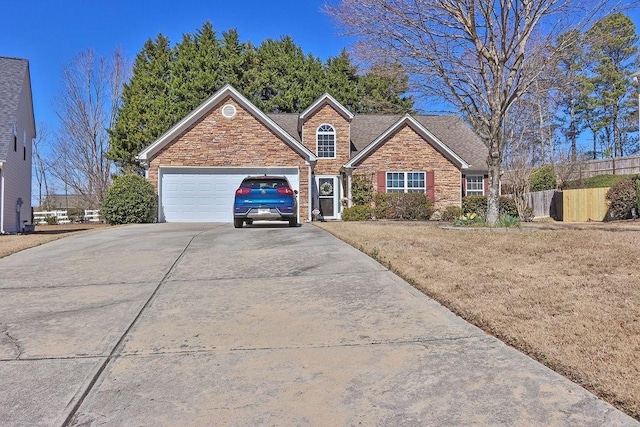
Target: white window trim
<point x="335" y="145"/>
<point x="406" y="182"/>
<point x="475" y="192"/>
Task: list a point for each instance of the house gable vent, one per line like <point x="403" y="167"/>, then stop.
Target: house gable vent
<point x="229" y="111"/>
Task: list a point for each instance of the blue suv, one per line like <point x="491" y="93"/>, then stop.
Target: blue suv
<point x="265" y="198"/>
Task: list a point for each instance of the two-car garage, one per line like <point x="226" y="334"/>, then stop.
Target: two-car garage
<point x="205" y="194"/>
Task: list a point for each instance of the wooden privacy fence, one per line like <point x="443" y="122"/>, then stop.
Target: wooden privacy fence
<point x="582" y="205"/>
<point x="615" y="166"/>
<point x="542" y="203"/>
<point x="586" y="204"/>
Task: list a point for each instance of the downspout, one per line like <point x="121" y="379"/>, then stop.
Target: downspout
<point x="1" y="198"/>
<point x="312" y="165"/>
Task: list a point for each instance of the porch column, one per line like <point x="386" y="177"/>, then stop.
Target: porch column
<point x="349" y="172"/>
<point x="312" y="165"/>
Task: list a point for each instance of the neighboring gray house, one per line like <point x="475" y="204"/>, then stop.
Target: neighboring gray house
<point x="17" y="130"/>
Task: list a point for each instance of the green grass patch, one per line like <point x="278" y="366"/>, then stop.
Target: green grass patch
<point x="600" y="181"/>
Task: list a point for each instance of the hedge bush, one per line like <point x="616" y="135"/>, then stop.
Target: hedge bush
<point x="475" y="204"/>
<point x="361" y="189"/>
<point x="599" y="181"/>
<point x="507" y="206"/>
<point x="131" y="199"/>
<point x="357" y="213"/>
<point x="451" y="213"/>
<point x="75" y="214"/>
<point x="543" y="178"/>
<point x="622" y="197"/>
<point x="402" y="206"/>
<point x="478" y="206"/>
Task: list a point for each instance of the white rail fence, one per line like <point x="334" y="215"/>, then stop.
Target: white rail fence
<point x="61" y="216"/>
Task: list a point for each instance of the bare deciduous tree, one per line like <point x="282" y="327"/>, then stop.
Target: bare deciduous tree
<point x="480" y="56"/>
<point x="41" y="169"/>
<point x="87" y="107"/>
<point x="523" y="144"/>
<point x="567" y="166"/>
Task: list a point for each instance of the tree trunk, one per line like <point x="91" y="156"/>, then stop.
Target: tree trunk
<point x="493" y="201"/>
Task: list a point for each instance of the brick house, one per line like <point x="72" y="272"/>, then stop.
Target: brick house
<point x="197" y="165"/>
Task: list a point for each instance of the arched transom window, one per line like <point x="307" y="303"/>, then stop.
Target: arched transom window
<point x="326" y="141"/>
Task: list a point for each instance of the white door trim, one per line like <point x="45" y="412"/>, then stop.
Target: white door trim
<point x="337" y="193"/>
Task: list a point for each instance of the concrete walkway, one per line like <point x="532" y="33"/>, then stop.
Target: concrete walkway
<point x="176" y="324"/>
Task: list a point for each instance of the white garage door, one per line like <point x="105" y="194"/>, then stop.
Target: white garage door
<point x="206" y="194"/>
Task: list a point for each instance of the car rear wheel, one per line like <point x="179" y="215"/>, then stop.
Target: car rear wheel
<point x="237" y="222"/>
<point x="293" y="222"/>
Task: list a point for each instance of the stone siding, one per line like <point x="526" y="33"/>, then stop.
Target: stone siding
<point x="327" y="115"/>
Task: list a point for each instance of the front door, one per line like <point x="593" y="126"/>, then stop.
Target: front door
<point x="328" y="196"/>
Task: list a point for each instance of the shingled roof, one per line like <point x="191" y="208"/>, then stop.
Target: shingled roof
<point x="365" y="128"/>
<point x="12" y="78"/>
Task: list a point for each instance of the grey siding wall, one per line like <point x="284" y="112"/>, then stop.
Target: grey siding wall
<point x="17" y="170"/>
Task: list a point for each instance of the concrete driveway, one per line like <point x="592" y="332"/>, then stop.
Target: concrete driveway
<point x="176" y="324"/>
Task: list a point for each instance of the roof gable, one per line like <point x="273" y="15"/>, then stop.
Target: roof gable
<point x="408" y="120"/>
<point x="206" y="107"/>
<point x="321" y="102"/>
<point x="14" y="76"/>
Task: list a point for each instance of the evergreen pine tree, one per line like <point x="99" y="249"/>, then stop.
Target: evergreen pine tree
<point x="342" y="81"/>
<point x="381" y="90"/>
<point x="277" y="77"/>
<point x="233" y="58"/>
<point x="612" y="44"/>
<point x="195" y="71"/>
<point x="145" y="112"/>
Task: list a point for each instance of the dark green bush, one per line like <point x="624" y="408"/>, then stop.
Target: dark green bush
<point x="475" y="204"/>
<point x="361" y="189"/>
<point x="622" y="199"/>
<point x="451" y="213"/>
<point x="402" y="206"/>
<point x="131" y="199"/>
<point x="357" y="213"/>
<point x="543" y="178"/>
<point x="478" y="206"/>
<point x="75" y="214"/>
<point x="508" y="206"/>
<point x="599" y="181"/>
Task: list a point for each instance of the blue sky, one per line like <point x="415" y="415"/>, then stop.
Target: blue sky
<point x="49" y="33"/>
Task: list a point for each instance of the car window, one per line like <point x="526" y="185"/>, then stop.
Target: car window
<point x="264" y="183"/>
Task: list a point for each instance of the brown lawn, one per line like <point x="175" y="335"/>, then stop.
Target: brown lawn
<point x="44" y="233"/>
<point x="567" y="296"/>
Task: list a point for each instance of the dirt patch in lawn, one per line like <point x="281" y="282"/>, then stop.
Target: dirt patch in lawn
<point x="13" y="243"/>
<point x="567" y="296"/>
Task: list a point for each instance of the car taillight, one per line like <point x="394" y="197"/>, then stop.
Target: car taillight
<point x="242" y="191"/>
<point x="285" y="190"/>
